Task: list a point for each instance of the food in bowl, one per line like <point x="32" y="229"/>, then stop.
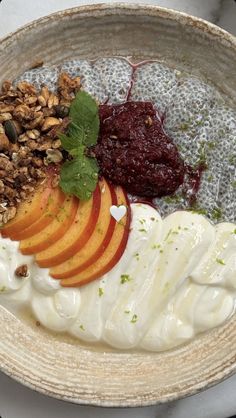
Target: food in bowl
<point x="118" y="191"/>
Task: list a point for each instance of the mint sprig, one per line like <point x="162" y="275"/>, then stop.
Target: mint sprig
<point x="79" y="176"/>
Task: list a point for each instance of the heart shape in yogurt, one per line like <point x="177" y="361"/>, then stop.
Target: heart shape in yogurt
<point x="118" y="212"/>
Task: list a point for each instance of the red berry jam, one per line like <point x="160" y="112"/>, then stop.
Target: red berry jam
<point x="133" y="150"/>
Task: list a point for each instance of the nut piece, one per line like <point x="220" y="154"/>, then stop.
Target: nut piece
<point x="26" y="88"/>
<point x="30" y="100"/>
<point x="4" y="142"/>
<point x="22" y="271"/>
<point x="54" y="156"/>
<point x="52" y="101"/>
<point x="49" y="123"/>
<point x="23" y="138"/>
<point x="33" y="134"/>
<point x="5" y="164"/>
<point x="9" y="214"/>
<point x="22" y="112"/>
<point x="45" y="93"/>
<point x="6" y="86"/>
<point x="42" y="101"/>
<point x="4" y="108"/>
<point x="37" y="162"/>
<point x="36" y="64"/>
<point x="56" y="144"/>
<point x="5" y="116"/>
<point x="148" y="121"/>
<point x="35" y="122"/>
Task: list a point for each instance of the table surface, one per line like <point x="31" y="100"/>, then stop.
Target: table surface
<point x="16" y="401"/>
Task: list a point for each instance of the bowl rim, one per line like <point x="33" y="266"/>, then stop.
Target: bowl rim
<point x="221" y="36"/>
<point x="149" y="9"/>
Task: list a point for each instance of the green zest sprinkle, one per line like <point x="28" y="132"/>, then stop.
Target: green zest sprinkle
<point x="233" y="232"/>
<point x="134" y="319"/>
<point x="216" y="214"/>
<point x="232" y="159"/>
<point x="142" y="230"/>
<point x="156" y="246"/>
<point x="82" y="327"/>
<point x="198" y="210"/>
<point x="171" y="231"/>
<point x="79" y="176"/>
<point x="211" y="144"/>
<point x="173" y="199"/>
<point x="220" y="261"/>
<point x="124" y="278"/>
<point x="168" y="234"/>
<point x="202" y="158"/>
<point x="100" y="291"/>
<point x="127" y="312"/>
<point x="184" y="126"/>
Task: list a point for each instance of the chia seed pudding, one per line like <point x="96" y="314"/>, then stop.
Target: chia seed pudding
<point x="191" y="112"/>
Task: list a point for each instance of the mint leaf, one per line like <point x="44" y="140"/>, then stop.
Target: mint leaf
<point x="79" y="177"/>
<point x="84" y="114"/>
<point x="72" y="145"/>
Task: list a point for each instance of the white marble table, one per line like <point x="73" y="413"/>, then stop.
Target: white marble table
<point x="17" y="401"/>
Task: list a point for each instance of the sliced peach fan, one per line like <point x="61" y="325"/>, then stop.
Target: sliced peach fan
<point x="99" y="240"/>
<point x="79" y="240"/>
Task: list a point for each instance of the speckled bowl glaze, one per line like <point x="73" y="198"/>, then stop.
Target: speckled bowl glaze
<point x="55" y="364"/>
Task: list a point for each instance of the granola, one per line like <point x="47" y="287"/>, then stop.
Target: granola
<point x="30" y="121"/>
<point x="22" y="271"/>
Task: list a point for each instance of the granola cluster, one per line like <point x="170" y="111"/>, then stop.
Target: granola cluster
<point x="30" y="121"/>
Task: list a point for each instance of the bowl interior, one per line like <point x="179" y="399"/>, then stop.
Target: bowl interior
<point x="57" y="365"/>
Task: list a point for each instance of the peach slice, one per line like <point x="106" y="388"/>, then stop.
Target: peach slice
<point x="98" y="241"/>
<point x="76" y="236"/>
<point x="29" y="211"/>
<point x="53" y="206"/>
<point x="55" y="230"/>
<point x="112" y="253"/>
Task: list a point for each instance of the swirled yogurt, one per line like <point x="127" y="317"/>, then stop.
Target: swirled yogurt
<point x="176" y="278"/>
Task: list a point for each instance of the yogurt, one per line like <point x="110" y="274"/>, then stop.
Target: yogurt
<point x="176" y="278"/>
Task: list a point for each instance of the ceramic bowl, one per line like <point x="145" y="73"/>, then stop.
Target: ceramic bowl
<point x="55" y="364"/>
